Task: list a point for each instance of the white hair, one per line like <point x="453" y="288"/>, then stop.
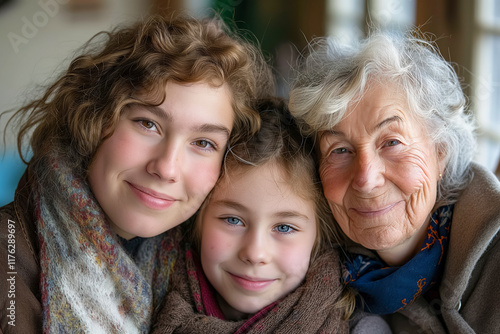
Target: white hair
<point x="334" y="75"/>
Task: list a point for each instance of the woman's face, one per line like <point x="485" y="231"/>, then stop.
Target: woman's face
<point x="161" y="162"/>
<point x="379" y="171"/>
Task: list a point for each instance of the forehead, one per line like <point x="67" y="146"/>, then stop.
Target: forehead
<point x="269" y="179"/>
<point x="380" y="106"/>
<point x="296" y="174"/>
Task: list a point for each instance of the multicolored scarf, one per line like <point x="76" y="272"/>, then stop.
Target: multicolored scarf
<point x="89" y="284"/>
<point x="387" y="290"/>
<point x="191" y="306"/>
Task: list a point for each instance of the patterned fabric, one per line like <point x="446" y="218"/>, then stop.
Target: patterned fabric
<point x="387" y="290"/>
<point x="191" y="306"/>
<point x="89" y="283"/>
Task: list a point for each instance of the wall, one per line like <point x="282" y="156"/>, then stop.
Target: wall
<point x="37" y="38"/>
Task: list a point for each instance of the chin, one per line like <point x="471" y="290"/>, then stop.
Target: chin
<point x="248" y="308"/>
<point x="379" y="241"/>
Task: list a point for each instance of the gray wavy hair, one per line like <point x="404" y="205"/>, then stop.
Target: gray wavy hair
<point x="334" y="75"/>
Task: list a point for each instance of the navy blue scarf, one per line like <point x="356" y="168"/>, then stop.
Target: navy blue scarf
<point x="387" y="290"/>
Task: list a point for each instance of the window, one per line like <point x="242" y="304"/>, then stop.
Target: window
<point x="475" y="53"/>
<point x="351" y="19"/>
<point x="485" y="97"/>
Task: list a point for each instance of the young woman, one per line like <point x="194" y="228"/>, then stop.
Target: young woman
<point x="262" y="260"/>
<point x="126" y="145"/>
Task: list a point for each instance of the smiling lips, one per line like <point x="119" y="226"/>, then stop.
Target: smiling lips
<point x="371" y="213"/>
<point x="252" y="284"/>
<point x="151" y="198"/>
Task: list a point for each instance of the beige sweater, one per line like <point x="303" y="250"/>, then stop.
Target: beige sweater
<point x="470" y="290"/>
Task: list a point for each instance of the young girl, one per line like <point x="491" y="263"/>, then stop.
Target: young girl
<point x="126" y="145"/>
<point x="261" y="261"/>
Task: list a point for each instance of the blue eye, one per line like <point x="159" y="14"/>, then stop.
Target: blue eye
<point x="340" y="150"/>
<point x="393" y="142"/>
<point x="233" y="221"/>
<point x="284" y="228"/>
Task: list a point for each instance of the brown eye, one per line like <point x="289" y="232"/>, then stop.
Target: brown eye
<point x="147" y="124"/>
<point x="204" y="144"/>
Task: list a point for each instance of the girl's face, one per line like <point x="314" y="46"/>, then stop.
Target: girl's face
<point x="160" y="163"/>
<point x="257" y="235"/>
<point x="379" y="171"/>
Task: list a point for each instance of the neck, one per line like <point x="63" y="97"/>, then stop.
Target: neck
<point x="230" y="313"/>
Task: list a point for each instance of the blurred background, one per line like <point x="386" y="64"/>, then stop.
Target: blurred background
<point x="38" y="38"/>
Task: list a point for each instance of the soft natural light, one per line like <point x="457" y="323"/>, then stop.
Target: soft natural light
<point x="486" y="83"/>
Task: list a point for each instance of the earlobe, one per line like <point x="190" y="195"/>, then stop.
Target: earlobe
<point x="441" y="160"/>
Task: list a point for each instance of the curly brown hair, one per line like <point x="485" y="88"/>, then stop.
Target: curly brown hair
<point x="132" y="65"/>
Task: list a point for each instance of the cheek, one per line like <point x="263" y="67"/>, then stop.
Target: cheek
<point x="417" y="174"/>
<point x="334" y="184"/>
<point x="341" y="218"/>
<point x="120" y="151"/>
<point x="215" y="246"/>
<point x="106" y="162"/>
<point x="201" y="177"/>
<point x="421" y="186"/>
<point x="296" y="262"/>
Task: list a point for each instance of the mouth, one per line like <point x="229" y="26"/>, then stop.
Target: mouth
<point x="251" y="283"/>
<point x="373" y="212"/>
<point x="150" y="198"/>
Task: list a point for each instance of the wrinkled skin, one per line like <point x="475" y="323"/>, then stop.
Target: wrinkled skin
<point x="379" y="171"/>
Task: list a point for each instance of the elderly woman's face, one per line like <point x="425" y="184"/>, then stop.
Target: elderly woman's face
<point x="380" y="172"/>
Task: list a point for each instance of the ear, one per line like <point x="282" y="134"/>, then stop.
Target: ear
<point x="442" y="160"/>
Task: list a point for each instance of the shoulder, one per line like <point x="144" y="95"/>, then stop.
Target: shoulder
<point x="20" y="215"/>
<point x="20" y="271"/>
<point x="7" y="212"/>
<point x="476" y="217"/>
<point x="484" y="184"/>
<point x="366" y="323"/>
<point x="469" y="283"/>
<point x="478" y="295"/>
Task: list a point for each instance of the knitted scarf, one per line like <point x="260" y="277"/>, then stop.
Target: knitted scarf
<point x="191" y="306"/>
<point x="387" y="290"/>
<point x="89" y="284"/>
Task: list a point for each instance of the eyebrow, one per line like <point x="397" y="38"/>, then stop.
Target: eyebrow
<point x="380" y="125"/>
<point x="213" y="128"/>
<point x="207" y="127"/>
<point x="388" y="121"/>
<point x="157" y="111"/>
<point x="230" y="204"/>
<point x="291" y="214"/>
<point x="280" y="214"/>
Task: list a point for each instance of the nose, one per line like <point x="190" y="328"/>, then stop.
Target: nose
<point x="165" y="162"/>
<point x="367" y="172"/>
<point x="255" y="249"/>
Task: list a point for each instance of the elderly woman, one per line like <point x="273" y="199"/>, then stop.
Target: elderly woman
<point x="419" y="218"/>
